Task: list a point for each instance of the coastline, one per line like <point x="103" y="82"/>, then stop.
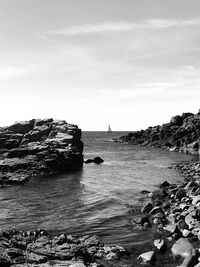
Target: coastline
<point x="165" y="216"/>
<point x="172" y="213"/>
<point x="38" y="248"/>
<point x="181" y="134"/>
<point x="156" y="222"/>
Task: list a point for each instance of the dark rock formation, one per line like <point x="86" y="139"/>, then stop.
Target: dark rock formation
<point x="33" y="248"/>
<point x="96" y="160"/>
<point x="182" y="134"/>
<point x="38" y="147"/>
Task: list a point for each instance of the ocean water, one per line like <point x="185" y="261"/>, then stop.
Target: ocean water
<point x="97" y="199"/>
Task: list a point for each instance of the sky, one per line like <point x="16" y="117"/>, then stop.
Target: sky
<point x="127" y="63"/>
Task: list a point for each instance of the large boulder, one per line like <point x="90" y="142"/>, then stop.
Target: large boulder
<point x="39" y="147"/>
<point x="182" y="247"/>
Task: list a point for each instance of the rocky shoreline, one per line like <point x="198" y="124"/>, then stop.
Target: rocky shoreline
<point x="173" y="214"/>
<point x="181" y="134"/>
<point x="38" y="147"/>
<point x="38" y="248"/>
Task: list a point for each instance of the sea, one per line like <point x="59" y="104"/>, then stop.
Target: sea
<point x="99" y="199"/>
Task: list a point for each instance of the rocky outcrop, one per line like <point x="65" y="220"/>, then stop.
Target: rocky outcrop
<point x="182" y="134"/>
<point x="38" y="248"/>
<point x="38" y="147"/>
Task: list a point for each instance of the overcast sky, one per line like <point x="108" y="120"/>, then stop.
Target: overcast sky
<point x="128" y="63"/>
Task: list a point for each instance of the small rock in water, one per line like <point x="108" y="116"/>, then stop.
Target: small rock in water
<point x="146" y="257"/>
<point x="96" y="160"/>
<point x="160" y="245"/>
<point x="164" y="184"/>
<point x="144" y="192"/>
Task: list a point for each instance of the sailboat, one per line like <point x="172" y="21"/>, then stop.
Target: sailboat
<point x="109" y="129"/>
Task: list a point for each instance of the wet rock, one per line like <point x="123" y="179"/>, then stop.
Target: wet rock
<point x="171" y="228"/>
<point x="160" y="245"/>
<point x="181" y="224"/>
<point x="148" y="257"/>
<point x="35" y="258"/>
<point x="144" y="192"/>
<point x="186" y="233"/>
<point x="180" y="193"/>
<point x="88" y="161"/>
<point x="188" y="261"/>
<point x="182" y="247"/>
<point x="190" y="221"/>
<point x="147" y="208"/>
<point x="157" y="221"/>
<point x="156" y="210"/>
<point x="196" y="200"/>
<point x="145" y="221"/>
<point x="65" y="250"/>
<point x="111" y="256"/>
<point x="92" y="241"/>
<point x="96" y="160"/>
<point x="164" y="184"/>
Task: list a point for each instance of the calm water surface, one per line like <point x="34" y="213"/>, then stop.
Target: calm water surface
<point x="96" y="199"/>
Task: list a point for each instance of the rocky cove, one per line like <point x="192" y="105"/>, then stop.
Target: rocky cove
<point x="170" y="213"/>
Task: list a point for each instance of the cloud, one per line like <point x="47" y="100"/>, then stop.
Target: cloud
<point x="9" y="72"/>
<point x="119" y="26"/>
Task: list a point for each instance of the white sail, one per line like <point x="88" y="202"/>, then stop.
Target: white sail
<point x="109" y="129"/>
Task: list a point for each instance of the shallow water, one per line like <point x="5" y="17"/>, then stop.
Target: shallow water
<point x="96" y="199"/>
